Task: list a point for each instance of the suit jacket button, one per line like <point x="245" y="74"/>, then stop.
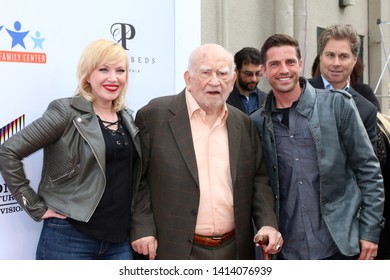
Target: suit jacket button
<point x="194" y="212"/>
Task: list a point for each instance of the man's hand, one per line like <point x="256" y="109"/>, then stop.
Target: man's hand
<point x="275" y="240"/>
<point x="146" y="246"/>
<point x="368" y="250"/>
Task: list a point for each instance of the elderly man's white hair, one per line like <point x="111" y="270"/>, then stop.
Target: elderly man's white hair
<point x="205" y="48"/>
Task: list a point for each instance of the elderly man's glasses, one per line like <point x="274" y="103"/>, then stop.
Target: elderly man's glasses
<point x="250" y="74"/>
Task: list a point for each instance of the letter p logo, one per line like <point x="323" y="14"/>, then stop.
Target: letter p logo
<point x="121" y="32"/>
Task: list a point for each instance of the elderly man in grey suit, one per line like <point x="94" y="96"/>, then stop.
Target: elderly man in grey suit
<point x="204" y="178"/>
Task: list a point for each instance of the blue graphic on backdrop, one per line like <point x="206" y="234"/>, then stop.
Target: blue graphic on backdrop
<point x="38" y="40"/>
<point x="17" y="35"/>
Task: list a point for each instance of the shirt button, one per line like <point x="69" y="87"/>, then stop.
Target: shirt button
<point x="194" y="212"/>
<point x="78" y="119"/>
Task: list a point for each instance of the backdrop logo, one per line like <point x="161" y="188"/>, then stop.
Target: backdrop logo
<point x="10" y="129"/>
<point x="18" y="36"/>
<point x="8" y="204"/>
<point x="124" y="32"/>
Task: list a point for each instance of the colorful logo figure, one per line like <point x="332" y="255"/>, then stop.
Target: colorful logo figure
<point x="38" y="40"/>
<point x="18" y="36"/>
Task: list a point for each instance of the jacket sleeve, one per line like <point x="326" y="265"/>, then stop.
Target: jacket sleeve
<point x="142" y="222"/>
<point x="39" y="134"/>
<point x="366" y="169"/>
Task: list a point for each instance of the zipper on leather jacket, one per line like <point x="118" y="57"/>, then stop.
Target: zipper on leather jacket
<point x="25" y="201"/>
<point x="68" y="175"/>
<point x="100" y="165"/>
<point x="26" y="207"/>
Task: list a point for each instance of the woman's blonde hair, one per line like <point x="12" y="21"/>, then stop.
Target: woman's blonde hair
<point x="95" y="54"/>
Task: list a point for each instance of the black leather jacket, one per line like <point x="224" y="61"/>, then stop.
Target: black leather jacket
<point x="73" y="173"/>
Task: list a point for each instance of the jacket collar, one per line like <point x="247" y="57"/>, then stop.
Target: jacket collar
<point x="307" y="98"/>
<point x="80" y="103"/>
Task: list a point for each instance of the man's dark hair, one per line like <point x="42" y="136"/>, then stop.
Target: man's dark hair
<point x="278" y="40"/>
<point x="247" y="55"/>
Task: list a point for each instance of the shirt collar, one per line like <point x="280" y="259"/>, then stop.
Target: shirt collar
<point x="327" y="85"/>
<point x="194" y="107"/>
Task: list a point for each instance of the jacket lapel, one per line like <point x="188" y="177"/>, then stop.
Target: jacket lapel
<point x="354" y="94"/>
<point x="181" y="130"/>
<point x="132" y="128"/>
<point x="317" y="82"/>
<point x="234" y="138"/>
<point x="88" y="126"/>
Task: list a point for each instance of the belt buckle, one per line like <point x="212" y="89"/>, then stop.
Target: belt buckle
<point x="216" y="237"/>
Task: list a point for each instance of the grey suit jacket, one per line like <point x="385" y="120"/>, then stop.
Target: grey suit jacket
<point x="168" y="197"/>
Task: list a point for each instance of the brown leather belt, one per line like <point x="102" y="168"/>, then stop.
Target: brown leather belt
<point x="213" y="241"/>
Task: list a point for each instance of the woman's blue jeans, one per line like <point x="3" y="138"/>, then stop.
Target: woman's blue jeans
<point x="59" y="240"/>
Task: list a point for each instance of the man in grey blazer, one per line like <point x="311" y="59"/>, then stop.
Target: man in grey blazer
<point x="204" y="178"/>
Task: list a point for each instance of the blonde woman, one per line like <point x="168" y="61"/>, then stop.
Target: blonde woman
<point x="91" y="164"/>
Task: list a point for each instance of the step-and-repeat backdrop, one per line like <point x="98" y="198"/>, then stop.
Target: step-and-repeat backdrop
<point x="40" y="44"/>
